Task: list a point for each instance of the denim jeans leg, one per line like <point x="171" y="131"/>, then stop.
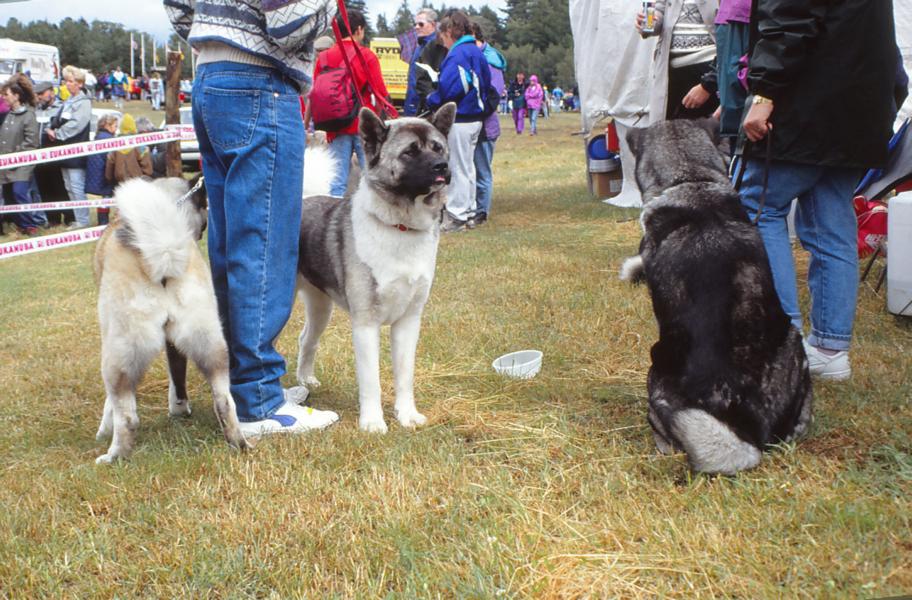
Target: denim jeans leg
<point x="341" y="149"/>
<point x="22" y="195"/>
<point x="484" y="179"/>
<point x="827" y="227"/>
<point x="786" y="182"/>
<point x="74" y="181"/>
<point x="533" y="119"/>
<point x="39" y="215"/>
<point x="252" y="142"/>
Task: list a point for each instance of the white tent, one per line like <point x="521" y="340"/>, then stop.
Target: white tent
<point x="613" y="69"/>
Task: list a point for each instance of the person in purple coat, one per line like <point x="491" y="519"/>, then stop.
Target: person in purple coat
<point x="535" y="95"/>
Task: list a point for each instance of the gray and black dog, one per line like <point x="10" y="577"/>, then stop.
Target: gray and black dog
<point x="729" y="374"/>
<point x="374" y="255"/>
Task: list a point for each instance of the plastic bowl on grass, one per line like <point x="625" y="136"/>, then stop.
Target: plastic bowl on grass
<point x="524" y="364"/>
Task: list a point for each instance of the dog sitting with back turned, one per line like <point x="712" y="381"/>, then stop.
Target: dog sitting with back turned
<point x="729" y="375"/>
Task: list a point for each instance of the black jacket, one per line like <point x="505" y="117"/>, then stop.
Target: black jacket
<point x="829" y="66"/>
<point x="432" y="55"/>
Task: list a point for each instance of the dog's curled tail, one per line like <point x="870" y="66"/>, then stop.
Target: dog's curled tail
<point x="153" y="224"/>
<point x="320" y="169"/>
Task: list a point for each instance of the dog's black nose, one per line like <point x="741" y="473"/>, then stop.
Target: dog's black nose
<point x="441" y="167"/>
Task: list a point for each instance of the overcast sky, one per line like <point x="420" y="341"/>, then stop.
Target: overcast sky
<point x="149" y="15"/>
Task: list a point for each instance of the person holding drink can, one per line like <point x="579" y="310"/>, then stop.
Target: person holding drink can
<point x="685" y="50"/>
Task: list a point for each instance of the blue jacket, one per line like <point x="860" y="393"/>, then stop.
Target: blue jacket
<point x="95" y="182"/>
<point x="463" y="73"/>
<point x="412" y="98"/>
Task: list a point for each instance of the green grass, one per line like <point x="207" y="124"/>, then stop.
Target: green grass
<point x="544" y="488"/>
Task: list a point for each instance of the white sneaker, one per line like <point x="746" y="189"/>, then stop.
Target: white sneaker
<point x="290" y="418"/>
<point x="832" y="367"/>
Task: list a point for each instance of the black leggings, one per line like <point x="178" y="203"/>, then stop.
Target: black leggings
<point x="680" y="81"/>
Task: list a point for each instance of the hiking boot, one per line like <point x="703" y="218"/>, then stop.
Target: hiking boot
<point x="830" y="367"/>
<point x="290" y="418"/>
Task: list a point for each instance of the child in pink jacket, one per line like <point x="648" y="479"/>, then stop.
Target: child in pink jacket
<point x="534" y="98"/>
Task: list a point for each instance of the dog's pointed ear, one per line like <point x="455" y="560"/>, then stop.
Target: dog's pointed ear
<point x="634" y="140"/>
<point x="711" y="127"/>
<point x="443" y="119"/>
<point x="373" y="132"/>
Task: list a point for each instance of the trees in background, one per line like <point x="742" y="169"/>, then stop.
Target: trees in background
<point x="534" y="35"/>
<point x="98" y="46"/>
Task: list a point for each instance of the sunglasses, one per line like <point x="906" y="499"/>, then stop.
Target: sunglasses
<point x="420" y="24"/>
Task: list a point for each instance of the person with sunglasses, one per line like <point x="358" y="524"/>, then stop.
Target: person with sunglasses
<point x="424" y="67"/>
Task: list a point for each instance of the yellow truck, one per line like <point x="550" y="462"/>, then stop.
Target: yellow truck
<point x="394" y="69"/>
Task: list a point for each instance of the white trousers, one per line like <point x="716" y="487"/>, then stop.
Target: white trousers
<point x="461" y="192"/>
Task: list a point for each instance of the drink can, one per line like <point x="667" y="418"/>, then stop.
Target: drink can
<point x="649" y="16"/>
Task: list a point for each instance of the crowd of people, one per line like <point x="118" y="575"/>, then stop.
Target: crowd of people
<point x="36" y="117"/>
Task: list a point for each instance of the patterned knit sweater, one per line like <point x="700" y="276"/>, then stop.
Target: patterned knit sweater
<point x="278" y="33"/>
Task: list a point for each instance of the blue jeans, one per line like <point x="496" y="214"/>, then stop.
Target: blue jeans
<point x="251" y="138"/>
<point x="341" y="148"/>
<point x="74" y="180"/>
<point x="484" y="178"/>
<point x="533" y="119"/>
<point x="827" y="227"/>
<point x="35" y="195"/>
<point x="20" y="192"/>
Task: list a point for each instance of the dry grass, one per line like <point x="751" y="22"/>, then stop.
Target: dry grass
<point x="545" y="488"/>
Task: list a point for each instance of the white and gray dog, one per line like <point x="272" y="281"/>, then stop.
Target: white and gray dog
<point x="374" y="254"/>
<point x="729" y="375"/>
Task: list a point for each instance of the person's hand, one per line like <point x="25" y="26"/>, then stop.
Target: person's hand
<point x="717" y="114"/>
<point x="52" y="135"/>
<point x="696" y="97"/>
<point x="756" y="124"/>
<point x="640" y="20"/>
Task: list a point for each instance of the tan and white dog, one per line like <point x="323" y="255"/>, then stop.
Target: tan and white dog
<point x="375" y="255"/>
<point x="155" y="291"/>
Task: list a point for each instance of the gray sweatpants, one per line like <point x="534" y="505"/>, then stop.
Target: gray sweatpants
<point x="461" y="192"/>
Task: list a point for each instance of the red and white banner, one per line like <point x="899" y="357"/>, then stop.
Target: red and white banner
<point x="49" y="242"/>
<point x="45" y="155"/>
<point x="66" y="205"/>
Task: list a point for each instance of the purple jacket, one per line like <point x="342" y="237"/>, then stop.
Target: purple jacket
<point x="490" y="129"/>
<point x="733" y="11"/>
<point x="534" y="94"/>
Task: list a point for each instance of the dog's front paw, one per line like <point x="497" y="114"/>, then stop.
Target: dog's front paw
<point x="311" y="382"/>
<point x="179" y="407"/>
<point x="372" y="424"/>
<point x="110" y="457"/>
<point x="410" y="418"/>
<point x="632" y="270"/>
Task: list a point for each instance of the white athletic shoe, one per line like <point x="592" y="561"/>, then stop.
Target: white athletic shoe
<point x="832" y="367"/>
<point x="290" y="418"/>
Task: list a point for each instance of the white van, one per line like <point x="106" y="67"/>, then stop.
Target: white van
<point x="39" y="61"/>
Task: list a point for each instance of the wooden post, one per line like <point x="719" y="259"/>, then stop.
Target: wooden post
<point x="172" y="112"/>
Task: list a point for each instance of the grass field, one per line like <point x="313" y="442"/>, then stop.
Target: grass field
<point x="546" y="488"/>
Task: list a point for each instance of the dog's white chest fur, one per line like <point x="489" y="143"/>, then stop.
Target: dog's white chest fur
<point x="402" y="263"/>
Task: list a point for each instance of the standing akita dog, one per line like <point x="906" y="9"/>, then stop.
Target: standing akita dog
<point x="155" y="290"/>
<point x="375" y="254"/>
<point x="729" y="375"/>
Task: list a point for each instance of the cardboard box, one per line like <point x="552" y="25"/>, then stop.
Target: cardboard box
<point x="607" y="185"/>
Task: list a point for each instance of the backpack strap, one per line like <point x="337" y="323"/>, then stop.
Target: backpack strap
<point x="384" y="104"/>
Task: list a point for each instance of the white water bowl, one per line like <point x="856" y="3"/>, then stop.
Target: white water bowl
<point x="524" y="364"/>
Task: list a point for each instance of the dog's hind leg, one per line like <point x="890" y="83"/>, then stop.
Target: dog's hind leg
<point x="318" y="310"/>
<point x="178" y="403"/>
<point x="404" y="343"/>
<point x="120" y="379"/>
<point x="366" y="339"/>
<point x="201" y="340"/>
